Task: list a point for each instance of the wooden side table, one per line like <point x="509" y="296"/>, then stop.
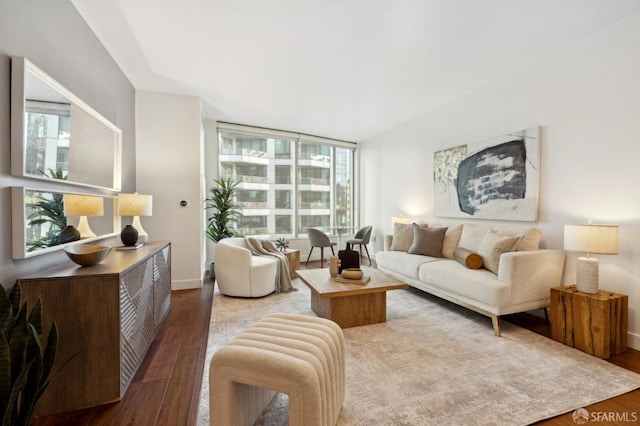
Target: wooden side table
<point x="594" y="323"/>
<point x="293" y="255"/>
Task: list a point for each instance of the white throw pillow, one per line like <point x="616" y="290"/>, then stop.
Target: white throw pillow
<point x="472" y="236"/>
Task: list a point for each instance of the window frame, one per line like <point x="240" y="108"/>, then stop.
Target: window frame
<point x="294" y="162"/>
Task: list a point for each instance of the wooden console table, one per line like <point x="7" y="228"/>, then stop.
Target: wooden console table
<point x="594" y="323"/>
<point x="107" y="317"/>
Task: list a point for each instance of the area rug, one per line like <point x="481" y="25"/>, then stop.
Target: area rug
<point x="433" y="362"/>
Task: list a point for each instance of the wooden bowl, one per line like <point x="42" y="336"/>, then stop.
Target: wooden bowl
<point x="87" y="255"/>
<point x="352" y="273"/>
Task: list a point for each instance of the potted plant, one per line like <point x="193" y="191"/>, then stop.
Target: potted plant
<point x="225" y="212"/>
<point x="25" y="360"/>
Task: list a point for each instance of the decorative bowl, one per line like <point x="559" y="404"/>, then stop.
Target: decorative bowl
<point x="352" y="273"/>
<point x="87" y="255"/>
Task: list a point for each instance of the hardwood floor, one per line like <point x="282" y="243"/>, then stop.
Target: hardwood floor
<point x="165" y="390"/>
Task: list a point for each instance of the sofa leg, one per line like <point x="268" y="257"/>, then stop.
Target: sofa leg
<point x="496" y="325"/>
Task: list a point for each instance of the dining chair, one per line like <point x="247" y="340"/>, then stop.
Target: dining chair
<point x="362" y="238"/>
<point x="318" y="238"/>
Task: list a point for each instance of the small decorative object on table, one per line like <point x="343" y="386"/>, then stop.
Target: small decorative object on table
<point x="282" y="244"/>
<point x="352" y="276"/>
<point x="352" y="273"/>
<point x="334" y="264"/>
<point x="87" y="255"/>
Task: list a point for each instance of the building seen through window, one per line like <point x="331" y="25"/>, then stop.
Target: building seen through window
<point x="287" y="185"/>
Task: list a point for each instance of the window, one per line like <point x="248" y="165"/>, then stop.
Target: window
<point x="288" y="182"/>
<point x="47" y="137"/>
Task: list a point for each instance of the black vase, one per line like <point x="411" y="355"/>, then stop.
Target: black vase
<point x="68" y="234"/>
<point x="348" y="258"/>
<point x="129" y="235"/>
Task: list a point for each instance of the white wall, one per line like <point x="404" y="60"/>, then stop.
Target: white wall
<point x="169" y="166"/>
<point x="587" y="101"/>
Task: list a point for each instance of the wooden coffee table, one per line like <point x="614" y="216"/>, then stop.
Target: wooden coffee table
<point x="350" y="305"/>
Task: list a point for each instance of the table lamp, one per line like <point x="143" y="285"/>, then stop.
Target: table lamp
<point x="83" y="206"/>
<point x="400" y="219"/>
<point x="589" y="238"/>
<point x="136" y="205"/>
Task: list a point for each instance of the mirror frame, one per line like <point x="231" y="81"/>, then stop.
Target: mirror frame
<point x="19" y="67"/>
<point x="19" y="229"/>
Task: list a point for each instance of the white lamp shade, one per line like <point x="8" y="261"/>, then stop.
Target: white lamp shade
<point x="135" y="205"/>
<point x="602" y="239"/>
<point x="83" y="205"/>
<point x="400" y="219"/>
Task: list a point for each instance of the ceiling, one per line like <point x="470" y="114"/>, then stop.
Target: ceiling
<point x="345" y="69"/>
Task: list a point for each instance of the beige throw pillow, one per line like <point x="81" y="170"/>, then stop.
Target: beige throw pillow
<point x="530" y="236"/>
<point x="427" y="241"/>
<point x="451" y="240"/>
<point x="402" y="236"/>
<point x="492" y="247"/>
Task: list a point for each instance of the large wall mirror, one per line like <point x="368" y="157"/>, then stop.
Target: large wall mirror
<point x="40" y="219"/>
<point x="55" y="135"/>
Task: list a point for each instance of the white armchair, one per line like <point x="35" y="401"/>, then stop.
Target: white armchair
<point x="239" y="273"/>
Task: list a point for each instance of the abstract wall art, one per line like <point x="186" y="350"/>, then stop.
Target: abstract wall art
<point x="493" y="179"/>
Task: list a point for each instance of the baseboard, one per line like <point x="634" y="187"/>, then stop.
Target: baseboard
<point x="633" y="341"/>
<point x="186" y="284"/>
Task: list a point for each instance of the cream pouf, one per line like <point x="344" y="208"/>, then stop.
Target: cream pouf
<point x="299" y="355"/>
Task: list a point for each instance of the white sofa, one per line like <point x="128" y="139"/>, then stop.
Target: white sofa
<point x="521" y="282"/>
<point x="239" y="273"/>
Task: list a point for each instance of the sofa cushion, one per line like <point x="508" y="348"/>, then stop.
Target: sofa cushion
<point x="403" y="263"/>
<point x="493" y="245"/>
<point x="451" y="239"/>
<point x="427" y="241"/>
<point x="472" y="236"/>
<point x="477" y="284"/>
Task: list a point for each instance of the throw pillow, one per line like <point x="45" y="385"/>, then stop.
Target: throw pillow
<point x="402" y="236"/>
<point x="472" y="236"/>
<point x="468" y="258"/>
<point x="530" y="236"/>
<point x="451" y="240"/>
<point x="427" y="241"/>
<point x="492" y="247"/>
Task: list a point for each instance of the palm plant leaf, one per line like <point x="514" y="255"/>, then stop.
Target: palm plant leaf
<point x="225" y="210"/>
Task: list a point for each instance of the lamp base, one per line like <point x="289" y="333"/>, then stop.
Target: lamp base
<point x="85" y="229"/>
<point x="129" y="236"/>
<point x="143" y="237"/>
<point x="587" y="275"/>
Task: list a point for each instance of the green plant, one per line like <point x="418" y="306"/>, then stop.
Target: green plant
<point x="47" y="210"/>
<point x="25" y="363"/>
<point x="225" y="210"/>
